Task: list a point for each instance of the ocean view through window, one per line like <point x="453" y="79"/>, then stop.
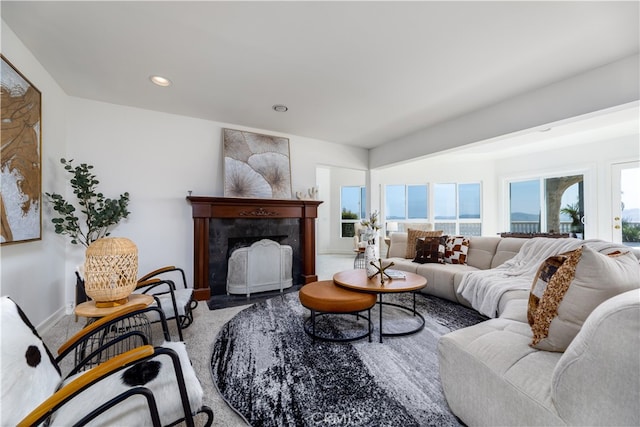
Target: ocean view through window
<point x="455" y="207"/>
<point x="552" y="204"/>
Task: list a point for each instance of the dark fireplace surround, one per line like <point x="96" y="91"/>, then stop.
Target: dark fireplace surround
<point x="222" y="224"/>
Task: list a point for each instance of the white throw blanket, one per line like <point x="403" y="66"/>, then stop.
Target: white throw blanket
<point x="484" y="288"/>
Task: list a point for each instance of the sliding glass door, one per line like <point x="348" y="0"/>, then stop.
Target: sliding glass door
<point x="552" y="204"/>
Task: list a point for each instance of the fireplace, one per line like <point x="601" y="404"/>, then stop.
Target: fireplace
<point x="222" y="223"/>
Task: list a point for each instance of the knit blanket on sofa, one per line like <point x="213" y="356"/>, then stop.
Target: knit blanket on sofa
<point x="484" y="288"/>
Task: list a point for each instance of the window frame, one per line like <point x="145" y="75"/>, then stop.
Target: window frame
<point x="406" y="203"/>
<point x="361" y="209"/>
<point x="457" y="220"/>
<point x="588" y="194"/>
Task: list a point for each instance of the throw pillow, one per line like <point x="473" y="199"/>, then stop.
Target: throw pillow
<point x="546" y="271"/>
<point x="585" y="280"/>
<point x="456" y="250"/>
<point x="428" y="250"/>
<point x="413" y="235"/>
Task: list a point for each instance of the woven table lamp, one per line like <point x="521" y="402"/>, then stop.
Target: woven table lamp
<point x="111" y="271"/>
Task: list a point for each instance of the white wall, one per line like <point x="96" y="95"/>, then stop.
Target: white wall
<point x="594" y="90"/>
<point x="158" y="157"/>
<point x="32" y="273"/>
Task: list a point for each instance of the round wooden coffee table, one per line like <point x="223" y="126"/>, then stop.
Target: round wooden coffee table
<point x="357" y="280"/>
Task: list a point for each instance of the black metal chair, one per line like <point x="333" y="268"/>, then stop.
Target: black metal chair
<point x="138" y="384"/>
<point x="176" y="301"/>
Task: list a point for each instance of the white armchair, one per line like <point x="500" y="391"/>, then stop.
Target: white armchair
<point x="358" y="243"/>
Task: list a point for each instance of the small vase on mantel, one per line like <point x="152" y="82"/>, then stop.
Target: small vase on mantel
<point x="371" y="254"/>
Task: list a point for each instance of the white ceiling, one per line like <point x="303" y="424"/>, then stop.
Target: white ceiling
<point x="356" y="73"/>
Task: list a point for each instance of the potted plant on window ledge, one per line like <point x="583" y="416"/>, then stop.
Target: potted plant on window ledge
<point x="94" y="215"/>
<point x="573" y="211"/>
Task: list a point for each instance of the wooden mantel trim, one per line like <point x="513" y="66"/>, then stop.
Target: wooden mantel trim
<point x="204" y="208"/>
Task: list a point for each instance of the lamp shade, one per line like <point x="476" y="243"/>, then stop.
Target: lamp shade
<point x="111" y="270"/>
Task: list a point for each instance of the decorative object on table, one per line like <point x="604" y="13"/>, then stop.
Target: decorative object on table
<point x="20" y="157"/>
<point x="111" y="270"/>
<point x="379" y="269"/>
<point x="256" y="165"/>
<point x="369" y="234"/>
<point x="100" y="213"/>
<point x="312" y="194"/>
<point x="371" y="256"/>
<point x="395" y="274"/>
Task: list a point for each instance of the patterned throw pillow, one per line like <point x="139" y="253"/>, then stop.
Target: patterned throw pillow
<point x="430" y="250"/>
<point x="583" y="281"/>
<point x="413" y="235"/>
<point x="546" y="271"/>
<point x="456" y="250"/>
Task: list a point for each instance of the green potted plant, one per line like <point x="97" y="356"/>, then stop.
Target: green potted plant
<point x="573" y="211"/>
<point x="99" y="214"/>
<point x="94" y="216"/>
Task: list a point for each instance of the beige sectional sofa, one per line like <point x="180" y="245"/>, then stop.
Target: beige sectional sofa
<point x="492" y="376"/>
<point x="443" y="279"/>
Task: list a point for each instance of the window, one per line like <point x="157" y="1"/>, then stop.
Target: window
<point x="406" y="202"/>
<point x="548" y="205"/>
<point x="353" y="209"/>
<point x="525" y="206"/>
<point x="457" y="208"/>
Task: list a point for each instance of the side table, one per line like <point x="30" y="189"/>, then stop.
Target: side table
<point x="358" y="261"/>
<point x="121" y="336"/>
<point x="89" y="310"/>
<point x="357" y="280"/>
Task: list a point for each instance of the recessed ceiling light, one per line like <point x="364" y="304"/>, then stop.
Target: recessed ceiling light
<point x="545" y="130"/>
<point x="160" y="81"/>
<point x="280" y="108"/>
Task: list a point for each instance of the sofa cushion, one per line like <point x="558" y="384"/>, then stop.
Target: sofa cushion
<point x="481" y="251"/>
<point x="597" y="277"/>
<point x="597" y="379"/>
<point x="490" y="375"/>
<point x="430" y="250"/>
<point x="440" y="278"/>
<point x="456" y="250"/>
<point x="507" y="248"/>
<point x="413" y="235"/>
<point x="397" y="245"/>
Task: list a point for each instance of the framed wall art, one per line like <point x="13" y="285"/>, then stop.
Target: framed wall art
<point x="20" y="157"/>
<point x="256" y="165"/>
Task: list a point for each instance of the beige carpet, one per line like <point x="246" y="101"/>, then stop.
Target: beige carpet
<point x="199" y="339"/>
<point x="200" y="336"/>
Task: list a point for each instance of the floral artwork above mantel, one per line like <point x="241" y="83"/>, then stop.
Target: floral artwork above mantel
<point x="256" y="165"/>
<point x="20" y="196"/>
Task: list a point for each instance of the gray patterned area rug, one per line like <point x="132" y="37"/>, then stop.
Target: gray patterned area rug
<point x="272" y="373"/>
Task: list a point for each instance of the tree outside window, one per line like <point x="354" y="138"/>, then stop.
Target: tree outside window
<point x="353" y="208"/>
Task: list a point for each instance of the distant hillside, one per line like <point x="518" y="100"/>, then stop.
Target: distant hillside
<point x="521" y="216"/>
<point x="632" y="215"/>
